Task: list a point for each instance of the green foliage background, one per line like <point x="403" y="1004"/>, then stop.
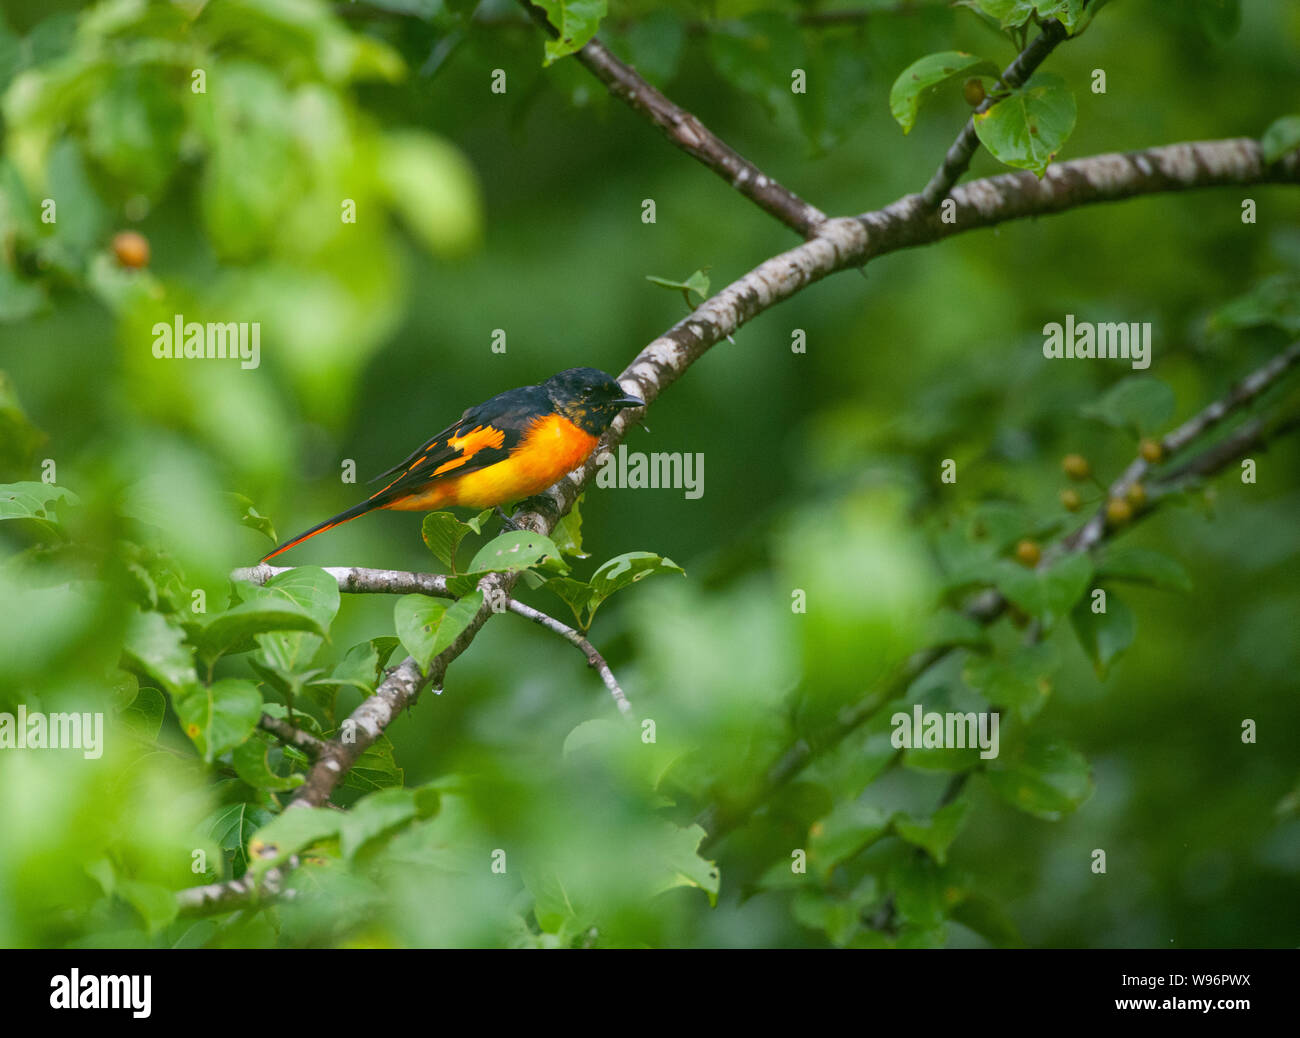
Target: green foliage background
<point x="521" y="211"/>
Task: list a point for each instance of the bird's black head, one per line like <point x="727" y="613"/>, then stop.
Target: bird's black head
<point x="588" y="398"/>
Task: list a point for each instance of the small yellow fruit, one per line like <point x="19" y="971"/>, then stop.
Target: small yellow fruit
<point x="973" y="91"/>
<point x="1151" y="450"/>
<point x="131" y="249"/>
<point x="1076" y="466"/>
<point x="1028" y="553"/>
<point x="1071" y="500"/>
<point x="1118" y="511"/>
<point x="1137" y="495"/>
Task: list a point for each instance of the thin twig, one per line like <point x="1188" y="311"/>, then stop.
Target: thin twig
<point x="692" y="136"/>
<point x="959" y="155"/>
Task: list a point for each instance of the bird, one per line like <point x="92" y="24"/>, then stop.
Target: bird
<point x="505" y="449"/>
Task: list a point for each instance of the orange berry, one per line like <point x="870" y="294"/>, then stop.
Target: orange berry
<point x="131" y="249"/>
<point x="973" y="91"/>
<point x="1151" y="450"/>
<point x="1137" y="495"/>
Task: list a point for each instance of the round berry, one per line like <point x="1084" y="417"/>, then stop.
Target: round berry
<point x="131" y="249"/>
<point x="1071" y="500"/>
<point x="1151" y="450"/>
<point x="1118" y="511"/>
<point x="973" y="91"/>
<point x="1076" y="466"/>
<point x="1028" y="553"/>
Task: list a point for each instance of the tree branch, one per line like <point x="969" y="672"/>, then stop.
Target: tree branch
<point x="959" y="155"/>
<point x="692" y="136"/>
<point x="360" y="580"/>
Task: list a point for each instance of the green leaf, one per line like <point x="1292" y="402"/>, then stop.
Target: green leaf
<point x="374" y="817"/>
<point x="626" y="569"/>
<point x="1045" y="779"/>
<point x="849" y="828"/>
<point x="1144" y="566"/>
<point x="426" y="626"/>
<point x="361" y="665"/>
<point x="934" y="835"/>
<point x="988" y="919"/>
<point x="156" y="648"/>
<point x="376" y="768"/>
<point x="431" y="185"/>
<point x="291" y="832"/>
<point x="442" y="533"/>
<point x="1274" y="301"/>
<point x="144" y="716"/>
<point x="33" y="501"/>
<point x="233" y="826"/>
<point x="1104" y="636"/>
<point x="575" y="594"/>
<point x="316" y="593"/>
<point x="685" y="867"/>
<point x="1046" y="593"/>
<point x="697" y="283"/>
<point x="219" y="633"/>
<point x="251" y="517"/>
<point x="1138" y="404"/>
<point x="1021" y="683"/>
<point x="251" y="765"/>
<point x="1282" y="137"/>
<point x="576" y="21"/>
<point x="155" y="903"/>
<point x="1027" y="129"/>
<point x="518" y="550"/>
<point x="921" y="79"/>
<point x="476" y="524"/>
<point x="219" y="717"/>
<point x="947" y="627"/>
<point x="1012" y="14"/>
<point x="567" y="534"/>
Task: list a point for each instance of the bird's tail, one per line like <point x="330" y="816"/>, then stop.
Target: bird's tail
<point x="370" y="504"/>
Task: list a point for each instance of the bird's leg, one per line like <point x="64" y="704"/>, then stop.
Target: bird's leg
<point x="506" y="521"/>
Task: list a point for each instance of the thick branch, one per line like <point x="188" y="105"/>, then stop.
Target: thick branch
<point x="692" y="136"/>
<point x="963" y="149"/>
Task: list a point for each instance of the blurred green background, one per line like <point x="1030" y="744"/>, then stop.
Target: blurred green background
<point x="521" y="211"/>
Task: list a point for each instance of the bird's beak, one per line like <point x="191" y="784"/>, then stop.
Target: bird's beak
<point x="628" y="400"/>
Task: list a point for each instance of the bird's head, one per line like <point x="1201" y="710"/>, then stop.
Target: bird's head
<point x="589" y="398"/>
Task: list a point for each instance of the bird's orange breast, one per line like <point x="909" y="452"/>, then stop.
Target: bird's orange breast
<point x="552" y="447"/>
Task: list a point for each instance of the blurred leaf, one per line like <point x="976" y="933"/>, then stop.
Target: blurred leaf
<point x="1282" y="136"/>
<point x="251" y="517"/>
<point x="1021" y="682"/>
<point x="680" y="857"/>
<point x="990" y="920"/>
<point x="1137" y="404"/>
<point x="374" y="817"/>
<point x="432" y="187"/>
<point x="157" y="648"/>
<point x="1144" y="566"/>
<point x="1046" y="592"/>
<point x="653" y="45"/>
<point x="290" y="832"/>
<point x="1273" y="301"/>
<point x="851" y="826"/>
<point x="697" y="283"/>
<point x="220" y="716"/>
<point x="1104" y="636"/>
<point x="1027" y="129"/>
<point x="934" y="835"/>
<point x="1045" y="779"/>
<point x="144" y="716"/>
<point x="155" y="903"/>
<point x="921" y="79"/>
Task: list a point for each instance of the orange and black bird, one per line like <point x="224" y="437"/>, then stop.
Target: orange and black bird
<point x="508" y="448"/>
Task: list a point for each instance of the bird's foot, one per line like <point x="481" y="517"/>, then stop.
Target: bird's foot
<point x="506" y="522"/>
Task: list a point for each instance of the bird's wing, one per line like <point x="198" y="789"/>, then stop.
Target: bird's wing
<point x="485" y="435"/>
